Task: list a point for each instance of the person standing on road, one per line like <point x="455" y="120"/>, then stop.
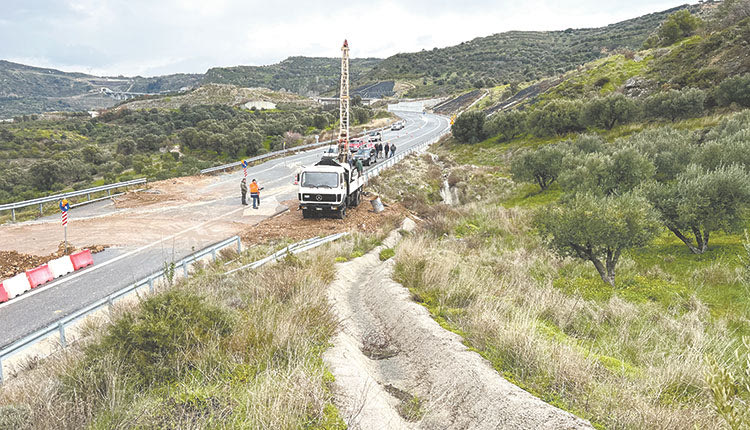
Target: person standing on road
<point x="243" y="190"/>
<point x="393" y="149"/>
<point x="387" y="147"/>
<point x="255" y="194"/>
<point x="378" y="150"/>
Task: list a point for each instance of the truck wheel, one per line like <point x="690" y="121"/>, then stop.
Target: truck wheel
<point x="341" y="213"/>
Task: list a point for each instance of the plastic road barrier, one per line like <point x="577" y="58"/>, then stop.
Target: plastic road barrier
<point x="16" y="285"/>
<point x="81" y="259"/>
<point x="40" y="275"/>
<point x="61" y="266"/>
<point x="3" y="294"/>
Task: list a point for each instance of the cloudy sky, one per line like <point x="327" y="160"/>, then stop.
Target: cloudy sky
<point x="154" y="37"/>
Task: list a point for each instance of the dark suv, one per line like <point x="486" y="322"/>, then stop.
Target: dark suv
<point x="367" y="155"/>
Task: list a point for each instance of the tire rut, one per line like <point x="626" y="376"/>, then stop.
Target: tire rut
<point x="396" y="368"/>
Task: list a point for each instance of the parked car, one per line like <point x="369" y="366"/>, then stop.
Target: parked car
<point x="367" y="155"/>
<point x="355" y="143"/>
<point x="375" y="136"/>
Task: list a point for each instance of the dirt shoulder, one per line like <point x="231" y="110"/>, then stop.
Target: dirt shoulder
<point x="291" y="225"/>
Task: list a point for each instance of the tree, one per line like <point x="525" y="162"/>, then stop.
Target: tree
<point x="469" y="127"/>
<point x="541" y="166"/>
<point x="734" y="90"/>
<point x="673" y="104"/>
<point x="605" y="174"/>
<point x="700" y="202"/>
<point x="606" y="112"/>
<point x="507" y="125"/>
<point x="126" y="146"/>
<point x="46" y="173"/>
<point x="320" y="121"/>
<point x="730" y="12"/>
<point x="670" y="150"/>
<point x="677" y="26"/>
<point x="556" y="118"/>
<point x="598" y="229"/>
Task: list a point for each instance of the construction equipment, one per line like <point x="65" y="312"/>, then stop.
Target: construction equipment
<point x="332" y="184"/>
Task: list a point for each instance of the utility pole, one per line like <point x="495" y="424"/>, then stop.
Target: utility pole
<point x="344" y="105"/>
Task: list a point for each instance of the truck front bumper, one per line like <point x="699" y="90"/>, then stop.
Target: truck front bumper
<point x="321" y="206"/>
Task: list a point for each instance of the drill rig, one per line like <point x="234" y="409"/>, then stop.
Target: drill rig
<point x="332" y="185"/>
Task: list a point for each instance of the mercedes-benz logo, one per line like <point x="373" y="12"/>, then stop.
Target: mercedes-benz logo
<point x="318" y="197"/>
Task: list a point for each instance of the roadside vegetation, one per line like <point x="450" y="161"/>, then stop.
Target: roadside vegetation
<point x="74" y="151"/>
<point x="210" y="351"/>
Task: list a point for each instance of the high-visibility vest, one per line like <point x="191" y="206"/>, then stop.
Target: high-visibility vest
<point x="254" y="188"/>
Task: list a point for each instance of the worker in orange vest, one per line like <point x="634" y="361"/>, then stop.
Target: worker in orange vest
<point x="255" y="194"/>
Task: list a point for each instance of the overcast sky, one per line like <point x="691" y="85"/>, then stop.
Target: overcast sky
<point x="155" y="37"/>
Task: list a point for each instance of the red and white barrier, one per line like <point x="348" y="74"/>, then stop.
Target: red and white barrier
<point x="81" y="259"/>
<point x="61" y="266"/>
<point x="32" y="278"/>
<point x="40" y="275"/>
<point x="17" y="285"/>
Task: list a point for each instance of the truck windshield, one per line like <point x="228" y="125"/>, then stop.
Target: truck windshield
<point x="320" y="179"/>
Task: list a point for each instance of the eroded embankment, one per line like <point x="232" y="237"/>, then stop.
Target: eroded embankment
<point x="395" y="367"/>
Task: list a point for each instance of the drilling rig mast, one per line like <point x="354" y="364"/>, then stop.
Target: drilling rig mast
<point x="344" y="105"/>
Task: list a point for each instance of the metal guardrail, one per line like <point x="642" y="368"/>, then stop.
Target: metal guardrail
<point x="53" y="198"/>
<point x="389" y="162"/>
<point x="60" y="325"/>
<point x="281" y="152"/>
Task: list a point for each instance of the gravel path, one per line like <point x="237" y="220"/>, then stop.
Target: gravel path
<point x="395" y="367"/>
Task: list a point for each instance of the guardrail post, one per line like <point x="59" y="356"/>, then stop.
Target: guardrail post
<point x="110" y="303"/>
<point x="239" y="245"/>
<point x="185" y="268"/>
<point x="61" y="329"/>
<point x="213" y="254"/>
<point x="13" y="214"/>
<point x="151" y="284"/>
<point x="109" y="193"/>
<point x="40" y="209"/>
<point x="88" y="196"/>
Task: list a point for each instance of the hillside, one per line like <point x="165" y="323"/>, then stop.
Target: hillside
<point x="512" y="56"/>
<point x="26" y="89"/>
<point x="307" y="76"/>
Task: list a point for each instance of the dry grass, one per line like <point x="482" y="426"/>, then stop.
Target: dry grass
<point x="622" y="363"/>
<point x="250" y="356"/>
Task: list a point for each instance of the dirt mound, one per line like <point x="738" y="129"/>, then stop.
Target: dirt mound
<point x="290" y="224"/>
<point x="13" y="263"/>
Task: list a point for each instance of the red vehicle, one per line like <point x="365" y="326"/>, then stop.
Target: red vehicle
<point x="355" y="143"/>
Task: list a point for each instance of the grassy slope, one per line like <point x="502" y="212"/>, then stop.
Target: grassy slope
<point x="635" y="356"/>
<point x="208" y="352"/>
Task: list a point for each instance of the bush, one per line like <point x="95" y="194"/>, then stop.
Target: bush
<point x="556" y="118"/>
<point x="506" y="125"/>
<point x="469" y="127"/>
<point x="604" y="174"/>
<point x="734" y="90"/>
<point x="674" y="105"/>
<point x="606" y="112"/>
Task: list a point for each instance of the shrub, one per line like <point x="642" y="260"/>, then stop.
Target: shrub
<point x="674" y="105"/>
<point x="605" y="174"/>
<point x="469" y="127"/>
<point x="734" y="90"/>
<point x="556" y="118"/>
<point x="606" y="112"/>
<point x="506" y="125"/>
<point x="387" y="253"/>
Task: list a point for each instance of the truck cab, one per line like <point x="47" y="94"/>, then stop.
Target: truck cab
<point x="328" y="187"/>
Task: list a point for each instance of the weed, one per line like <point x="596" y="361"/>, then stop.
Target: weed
<point x="387" y="253"/>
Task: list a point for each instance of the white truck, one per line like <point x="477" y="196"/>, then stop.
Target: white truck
<point x="328" y="187"/>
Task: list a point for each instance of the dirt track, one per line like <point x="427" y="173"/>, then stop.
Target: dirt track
<point x="395" y="367"/>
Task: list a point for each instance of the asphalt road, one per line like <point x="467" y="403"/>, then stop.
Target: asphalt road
<point x="115" y="268"/>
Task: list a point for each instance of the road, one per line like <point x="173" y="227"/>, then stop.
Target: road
<point x="188" y="214"/>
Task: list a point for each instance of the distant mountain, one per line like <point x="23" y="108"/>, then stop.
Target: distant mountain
<point x="26" y="89"/>
<point x="308" y="76"/>
<point x="511" y="56"/>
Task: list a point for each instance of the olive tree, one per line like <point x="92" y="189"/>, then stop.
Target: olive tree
<point x="608" y="111"/>
<point x="700" y="202"/>
<point x="469" y="127"/>
<point x="606" y="174"/>
<point x="556" y="118"/>
<point x="541" y="166"/>
<point x="670" y="150"/>
<point x="674" y="104"/>
<point x="506" y="125"/>
<point x="734" y="90"/>
<point x="598" y="229"/>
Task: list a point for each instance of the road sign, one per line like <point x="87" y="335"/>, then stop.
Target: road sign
<point x="244" y="167"/>
<point x="64" y="208"/>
